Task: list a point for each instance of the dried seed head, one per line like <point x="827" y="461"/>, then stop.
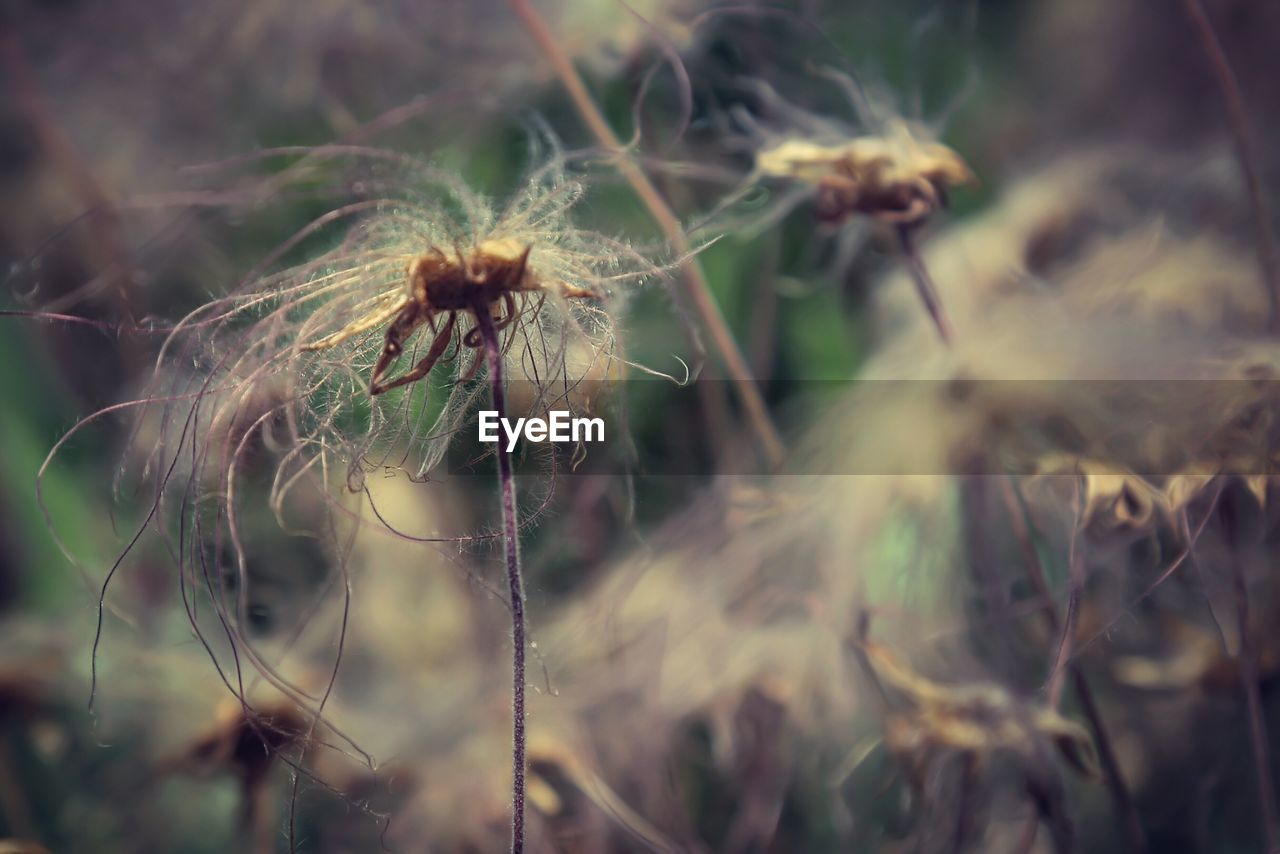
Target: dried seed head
<point x="896" y="178"/>
<point x="891" y="170"/>
<point x="400" y="293"/>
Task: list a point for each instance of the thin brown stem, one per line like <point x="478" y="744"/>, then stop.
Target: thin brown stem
<point x="1247" y="660"/>
<point x="1246" y="153"/>
<point x="968" y="783"/>
<point x="1075" y="588"/>
<point x="1119" y="789"/>
<point x="260" y="819"/>
<point x="924" y="283"/>
<point x="515" y="580"/>
<point x="699" y="290"/>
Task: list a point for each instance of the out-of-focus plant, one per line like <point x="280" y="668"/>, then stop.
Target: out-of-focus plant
<point x="892" y="173"/>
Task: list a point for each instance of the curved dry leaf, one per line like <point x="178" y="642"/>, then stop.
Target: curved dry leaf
<point x="1115" y="501"/>
<point x="978" y="719"/>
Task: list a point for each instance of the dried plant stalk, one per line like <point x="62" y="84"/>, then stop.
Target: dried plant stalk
<point x="515" y="580"/>
<point x="1246" y="153"/>
<point x="924" y="284"/>
<point x="696" y="282"/>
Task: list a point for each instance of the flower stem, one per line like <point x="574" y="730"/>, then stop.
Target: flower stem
<point x="924" y="283"/>
<point x="1125" y="807"/>
<point x="515" y="581"/>
<point x="1247" y="664"/>
<point x="699" y="290"/>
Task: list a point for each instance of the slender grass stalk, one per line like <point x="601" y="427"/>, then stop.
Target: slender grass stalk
<point x="699" y="290"/>
<point x="1246" y="153"/>
<point x="515" y="580"/>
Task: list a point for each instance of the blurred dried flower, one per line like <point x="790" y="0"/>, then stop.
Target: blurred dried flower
<point x="890" y="169"/>
<point x="927" y="720"/>
<point x="976" y="719"/>
<point x="896" y="178"/>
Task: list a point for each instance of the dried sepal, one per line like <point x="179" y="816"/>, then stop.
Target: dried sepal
<point x="1119" y="504"/>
